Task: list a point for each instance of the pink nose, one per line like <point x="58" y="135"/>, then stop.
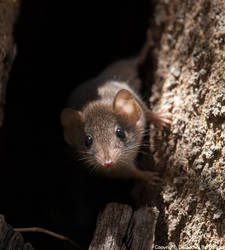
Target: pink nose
<point x="108" y="164"/>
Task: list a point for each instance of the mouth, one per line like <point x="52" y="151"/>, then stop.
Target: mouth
<point x="109" y="164"/>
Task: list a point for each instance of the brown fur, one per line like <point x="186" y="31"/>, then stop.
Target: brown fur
<point x="113" y="105"/>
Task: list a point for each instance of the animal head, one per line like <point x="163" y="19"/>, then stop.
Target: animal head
<point x="106" y="134"/>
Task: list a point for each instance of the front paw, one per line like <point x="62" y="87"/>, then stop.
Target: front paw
<point x="151" y="178"/>
<point x="160" y="118"/>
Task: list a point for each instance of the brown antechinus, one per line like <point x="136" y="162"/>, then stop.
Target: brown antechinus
<point x="105" y="121"/>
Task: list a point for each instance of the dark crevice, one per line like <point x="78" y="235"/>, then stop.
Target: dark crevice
<point x="59" y="45"/>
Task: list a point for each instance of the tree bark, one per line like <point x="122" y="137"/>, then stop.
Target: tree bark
<point x="8" y="15"/>
<point x="188" y="52"/>
<point x="9" y="239"/>
<point x="119" y="227"/>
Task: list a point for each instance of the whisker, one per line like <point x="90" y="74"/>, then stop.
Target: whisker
<point x="94" y="169"/>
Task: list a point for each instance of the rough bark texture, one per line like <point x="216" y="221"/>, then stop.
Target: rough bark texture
<point x="118" y="227"/>
<point x="9" y="239"/>
<point x="8" y="15"/>
<point x="188" y="46"/>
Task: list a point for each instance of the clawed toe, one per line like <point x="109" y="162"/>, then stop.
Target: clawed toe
<point x="152" y="178"/>
<point x="160" y="118"/>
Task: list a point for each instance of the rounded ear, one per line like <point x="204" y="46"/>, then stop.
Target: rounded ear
<point x="72" y="123"/>
<point x="70" y="117"/>
<point x="125" y="105"/>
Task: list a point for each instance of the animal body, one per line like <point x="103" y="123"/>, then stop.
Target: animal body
<point x="105" y="122"/>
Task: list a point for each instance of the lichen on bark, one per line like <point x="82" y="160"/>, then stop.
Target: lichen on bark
<point x="189" y="81"/>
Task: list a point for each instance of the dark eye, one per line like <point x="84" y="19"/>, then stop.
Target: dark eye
<point x="88" y="140"/>
<point x="120" y="133"/>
